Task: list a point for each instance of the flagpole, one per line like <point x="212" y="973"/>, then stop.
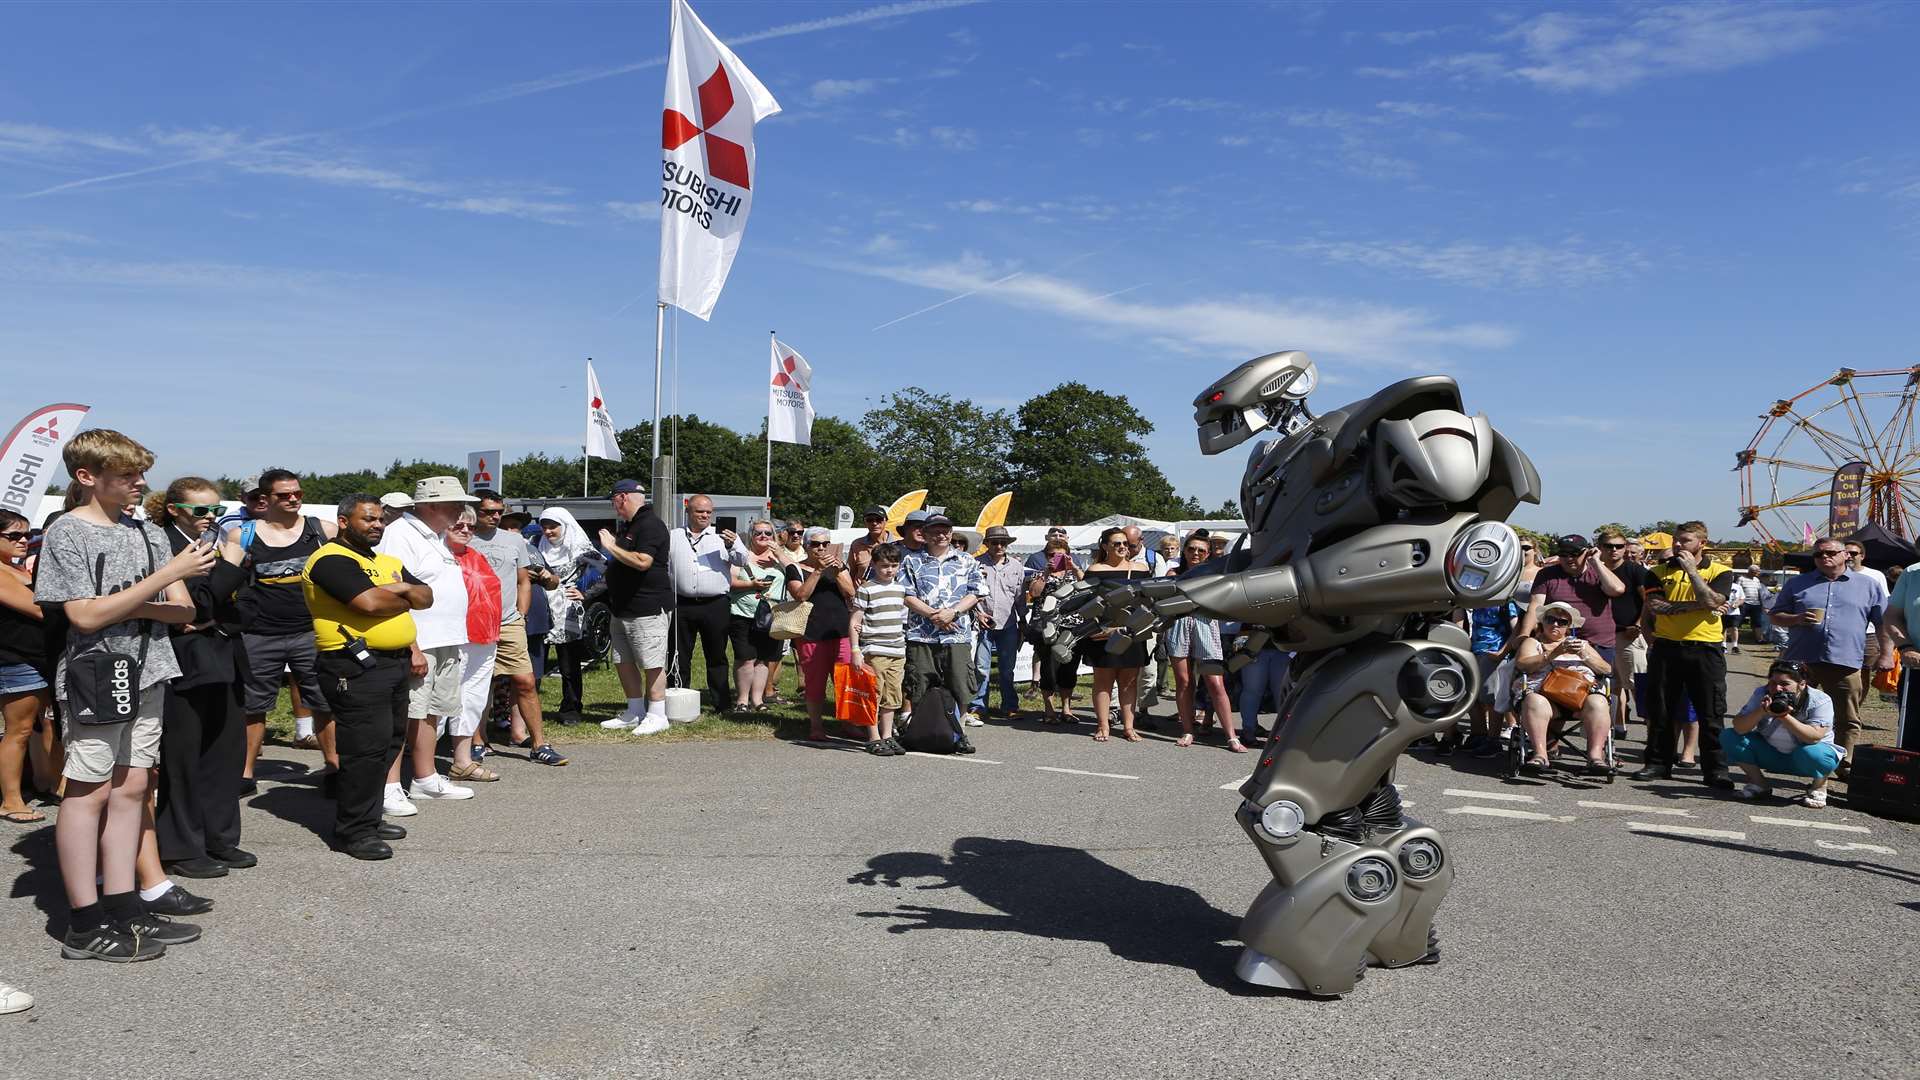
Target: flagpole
<point x="772" y="346"/>
<point x="586" y="463"/>
<point x="659" y="352"/>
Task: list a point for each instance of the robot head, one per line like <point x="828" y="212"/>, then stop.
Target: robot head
<point x="1265" y="393"/>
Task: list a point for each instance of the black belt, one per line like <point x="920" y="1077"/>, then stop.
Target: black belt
<point x="702" y="599"/>
<point x="391" y="653"/>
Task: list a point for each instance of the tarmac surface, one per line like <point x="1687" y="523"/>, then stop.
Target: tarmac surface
<point x="1051" y="907"/>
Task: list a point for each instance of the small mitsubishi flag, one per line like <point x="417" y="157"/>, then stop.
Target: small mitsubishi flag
<point x="601" y="442"/>
<point x="790" y="397"/>
<point x="706" y="166"/>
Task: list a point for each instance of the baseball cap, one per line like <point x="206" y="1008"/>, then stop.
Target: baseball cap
<point x="876" y="511"/>
<point x="249" y="485"/>
<point x="623" y="487"/>
<point x="397" y="500"/>
<point x="1656" y="541"/>
<point x="1573" y="542"/>
<point x="937" y="519"/>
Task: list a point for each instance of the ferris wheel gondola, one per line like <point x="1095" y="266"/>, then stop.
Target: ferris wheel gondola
<point x="1863" y="419"/>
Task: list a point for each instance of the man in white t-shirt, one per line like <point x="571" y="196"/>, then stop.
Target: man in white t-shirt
<point x="418" y="540"/>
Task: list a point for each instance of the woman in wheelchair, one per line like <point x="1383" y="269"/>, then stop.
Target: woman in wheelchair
<point x="1562" y="676"/>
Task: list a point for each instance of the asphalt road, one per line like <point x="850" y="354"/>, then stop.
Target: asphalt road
<point x="1051" y="907"/>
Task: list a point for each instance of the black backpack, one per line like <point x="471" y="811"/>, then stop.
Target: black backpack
<point x="933" y="725"/>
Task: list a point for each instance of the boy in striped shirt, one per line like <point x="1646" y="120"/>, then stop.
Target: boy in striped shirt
<point x="879" y="633"/>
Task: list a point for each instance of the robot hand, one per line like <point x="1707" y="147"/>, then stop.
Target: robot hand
<point x="1073" y="611"/>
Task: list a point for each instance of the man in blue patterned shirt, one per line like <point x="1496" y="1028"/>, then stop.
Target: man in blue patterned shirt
<point x="943" y="585"/>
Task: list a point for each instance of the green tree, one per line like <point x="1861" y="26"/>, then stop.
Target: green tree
<point x="838" y="469"/>
<point x="1076" y="455"/>
<point x="712" y="458"/>
<point x="537" y="476"/>
<point x="953" y="448"/>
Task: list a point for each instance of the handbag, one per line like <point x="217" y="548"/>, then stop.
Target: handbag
<point x="789" y="619"/>
<point x="1566" y="688"/>
<point x="103" y="687"/>
<point x="858" y="700"/>
<point x="762" y="617"/>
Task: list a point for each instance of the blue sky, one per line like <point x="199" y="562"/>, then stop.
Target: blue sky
<point x="331" y="235"/>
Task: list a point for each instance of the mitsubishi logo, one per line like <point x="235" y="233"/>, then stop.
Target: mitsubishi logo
<point x="595" y="404"/>
<point x="50" y="429"/>
<point x="785" y="377"/>
<point x="726" y="159"/>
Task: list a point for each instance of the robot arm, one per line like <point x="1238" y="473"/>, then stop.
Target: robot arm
<point x="1403" y="567"/>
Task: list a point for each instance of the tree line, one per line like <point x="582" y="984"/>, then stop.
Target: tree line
<point x="1070" y="454"/>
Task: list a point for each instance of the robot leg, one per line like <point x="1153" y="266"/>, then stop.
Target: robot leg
<point x="1426" y="873"/>
<point x="1315" y="933"/>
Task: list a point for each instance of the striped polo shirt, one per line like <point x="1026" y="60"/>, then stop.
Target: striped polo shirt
<point x="883" y="618"/>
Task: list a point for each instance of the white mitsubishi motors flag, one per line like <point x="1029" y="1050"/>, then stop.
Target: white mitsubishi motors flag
<point x="601" y="442"/>
<point x="790" y="398"/>
<point x="30" y="455"/>
<point x="706" y="166"/>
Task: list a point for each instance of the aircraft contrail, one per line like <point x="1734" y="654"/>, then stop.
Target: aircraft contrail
<point x="525" y="88"/>
<point x="949" y="300"/>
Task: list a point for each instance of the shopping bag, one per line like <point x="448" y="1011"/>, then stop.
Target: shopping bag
<point x="1888" y="681"/>
<point x="858" y="702"/>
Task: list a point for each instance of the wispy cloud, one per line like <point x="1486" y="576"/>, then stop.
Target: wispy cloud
<point x="634" y="211"/>
<point x="48" y="257"/>
<point x="1596" y="51"/>
<point x="1486" y="266"/>
<point x="35" y="141"/>
<point x="1074" y="51"/>
<point x="1044" y="211"/>
<point x="830" y="90"/>
<point x="1358" y="332"/>
<point x="525" y="88"/>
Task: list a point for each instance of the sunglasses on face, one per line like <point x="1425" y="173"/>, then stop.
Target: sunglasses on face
<point x="1616" y="547"/>
<point x="757" y="532"/>
<point x="1827" y="554"/>
<point x="818" y="543"/>
<point x="16" y="537"/>
<point x="1526" y="547"/>
<point x="288" y="496"/>
<point x="495" y="512"/>
<point x="460" y="526"/>
<point x="197" y="509"/>
<point x="1555" y="620"/>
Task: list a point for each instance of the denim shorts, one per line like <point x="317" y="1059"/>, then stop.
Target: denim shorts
<point x="20" y="678"/>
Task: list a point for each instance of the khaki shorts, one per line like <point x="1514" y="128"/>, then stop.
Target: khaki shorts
<point x="94" y="749"/>
<point x="511" y="658"/>
<point x="437" y="693"/>
<point x="640" y="640"/>
<point x="892" y="672"/>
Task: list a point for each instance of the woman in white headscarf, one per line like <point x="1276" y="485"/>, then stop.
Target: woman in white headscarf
<point x="565" y="554"/>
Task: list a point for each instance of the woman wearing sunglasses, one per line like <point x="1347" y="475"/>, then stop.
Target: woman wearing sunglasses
<point x="1550" y="647"/>
<point x="1114" y="672"/>
<point x="1194" y="647"/>
<point x="24" y="665"/>
<point x="823" y="579"/>
<point x="761" y="577"/>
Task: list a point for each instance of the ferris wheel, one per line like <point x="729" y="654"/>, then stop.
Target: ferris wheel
<point x="1862" y="422"/>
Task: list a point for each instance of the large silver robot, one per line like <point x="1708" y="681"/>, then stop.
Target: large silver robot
<point x="1365" y="526"/>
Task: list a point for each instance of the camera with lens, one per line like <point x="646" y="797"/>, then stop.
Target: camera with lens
<point x="1779" y="703"/>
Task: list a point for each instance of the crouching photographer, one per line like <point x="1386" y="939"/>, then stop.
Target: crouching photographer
<point x="1787" y="727"/>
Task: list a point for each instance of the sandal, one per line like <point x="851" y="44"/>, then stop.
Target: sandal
<point x="1235" y="746"/>
<point x="1184" y="740"/>
<point x="473" y="773"/>
<point x="1099" y="736"/>
<point x="23" y="817"/>
<point x="1132" y="736"/>
<point x="1535" y="765"/>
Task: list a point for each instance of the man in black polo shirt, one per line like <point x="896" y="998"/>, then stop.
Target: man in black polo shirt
<point x="639" y="591"/>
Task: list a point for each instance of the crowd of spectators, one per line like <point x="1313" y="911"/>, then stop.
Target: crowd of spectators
<point x="400" y="621"/>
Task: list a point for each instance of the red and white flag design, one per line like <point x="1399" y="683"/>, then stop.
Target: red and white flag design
<point x="790" y="397"/>
<point x="601" y="442"/>
<point x="707" y="165"/>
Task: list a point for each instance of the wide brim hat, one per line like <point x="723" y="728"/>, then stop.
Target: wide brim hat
<point x="1574" y="617"/>
<point x="441" y="489"/>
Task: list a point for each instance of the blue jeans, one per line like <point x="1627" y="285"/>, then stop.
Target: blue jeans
<point x="1266" y="674"/>
<point x="1003" y="642"/>
<point x="1813" y="760"/>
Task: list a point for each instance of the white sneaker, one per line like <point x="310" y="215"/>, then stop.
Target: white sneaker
<point x="437" y="787"/>
<point x="1754" y="792"/>
<point x="972" y="719"/>
<point x="623" y="722"/>
<point x="652" y="725"/>
<point x="14" y="999"/>
<point x="1815" y="800"/>
<point x="396" y="804"/>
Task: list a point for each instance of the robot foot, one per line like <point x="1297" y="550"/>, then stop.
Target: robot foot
<point x="1431" y="956"/>
<point x="1260" y="969"/>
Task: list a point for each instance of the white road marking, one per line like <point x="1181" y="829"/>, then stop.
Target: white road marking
<point x="1499" y="796"/>
<point x="1669" y="811"/>
<point x="1234" y="786"/>
<point x="1842" y="845"/>
<point x="1797" y="823"/>
<point x="1501" y="811"/>
<point x="1083" y="772"/>
<point x="965" y="758"/>
<point x="1678" y="830"/>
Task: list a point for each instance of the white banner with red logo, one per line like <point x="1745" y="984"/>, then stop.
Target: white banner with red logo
<point x="483" y="471"/>
<point x="706" y="166"/>
<point x="790" y="398"/>
<point x="601" y="441"/>
<point x="31" y="455"/>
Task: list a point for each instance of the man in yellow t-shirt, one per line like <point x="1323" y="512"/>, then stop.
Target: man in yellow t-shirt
<point x="362" y="604"/>
<point x="1687" y="662"/>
